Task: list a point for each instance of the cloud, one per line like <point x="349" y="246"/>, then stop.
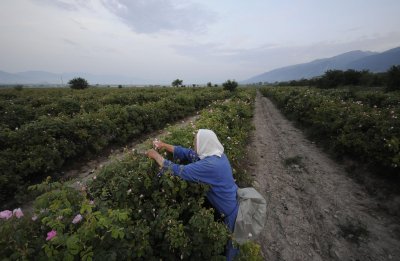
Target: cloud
<point x="271" y="55"/>
<point x="79" y="24"/>
<point x="151" y="16"/>
<point x="220" y="52"/>
<point x="197" y="50"/>
<point x="352" y="29"/>
<point x="62" y="4"/>
<point x="67" y="41"/>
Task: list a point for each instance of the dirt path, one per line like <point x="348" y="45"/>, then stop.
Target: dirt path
<point x="314" y="210"/>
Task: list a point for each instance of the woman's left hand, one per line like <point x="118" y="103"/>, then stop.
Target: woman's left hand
<point x="152" y="154"/>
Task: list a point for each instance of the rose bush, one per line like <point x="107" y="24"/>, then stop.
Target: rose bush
<point x="40" y="147"/>
<point x="128" y="211"/>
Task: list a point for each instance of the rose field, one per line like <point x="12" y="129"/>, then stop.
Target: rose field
<point x="41" y="129"/>
<point x="128" y="210"/>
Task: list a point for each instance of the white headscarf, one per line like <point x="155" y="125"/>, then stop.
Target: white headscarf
<point x="208" y="144"/>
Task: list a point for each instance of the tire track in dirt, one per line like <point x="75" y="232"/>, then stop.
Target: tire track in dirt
<point x="314" y="210"/>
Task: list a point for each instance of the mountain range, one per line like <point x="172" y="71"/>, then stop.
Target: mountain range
<point x="357" y="60"/>
<point x="48" y="78"/>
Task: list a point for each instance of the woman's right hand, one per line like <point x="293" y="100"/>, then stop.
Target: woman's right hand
<point x="158" y="144"/>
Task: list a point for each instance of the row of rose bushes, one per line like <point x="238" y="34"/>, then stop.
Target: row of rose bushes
<point x="129" y="212"/>
<point x="372" y="97"/>
<point x="40" y="148"/>
<point x="21" y="107"/>
<point x="353" y="125"/>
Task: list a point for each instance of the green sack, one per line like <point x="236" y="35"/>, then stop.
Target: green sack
<point x="251" y="215"/>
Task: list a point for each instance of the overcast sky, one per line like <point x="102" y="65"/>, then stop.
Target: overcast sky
<point x="194" y="40"/>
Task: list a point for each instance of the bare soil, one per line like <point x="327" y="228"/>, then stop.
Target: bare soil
<point x="315" y="211"/>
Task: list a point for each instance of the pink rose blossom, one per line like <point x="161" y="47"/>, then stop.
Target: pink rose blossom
<point x="51" y="234"/>
<point x="77" y="219"/>
<point x="6" y="214"/>
<point x="18" y="213"/>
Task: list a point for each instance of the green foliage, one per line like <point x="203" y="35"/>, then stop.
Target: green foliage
<point x="249" y="251"/>
<point x="232" y="125"/>
<point x="18" y="87"/>
<point x="78" y="83"/>
<point x="75" y="125"/>
<point x="393" y="78"/>
<point x="177" y="83"/>
<point x="363" y="125"/>
<point x="230" y="85"/>
<point x="331" y="79"/>
<point x="336" y="78"/>
<point x="128" y="212"/>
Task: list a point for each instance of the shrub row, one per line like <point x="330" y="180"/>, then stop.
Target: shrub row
<point x="19" y="108"/>
<point x="372" y="97"/>
<point x="366" y="132"/>
<point x="41" y="147"/>
<point x="127" y="212"/>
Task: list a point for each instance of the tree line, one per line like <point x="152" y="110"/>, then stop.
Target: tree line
<point x="81" y="83"/>
<point x="336" y="78"/>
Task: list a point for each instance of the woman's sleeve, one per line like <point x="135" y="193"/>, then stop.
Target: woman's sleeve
<point x="193" y="172"/>
<point x="184" y="154"/>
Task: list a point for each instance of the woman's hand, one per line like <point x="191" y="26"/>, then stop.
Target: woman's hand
<point x="158" y="144"/>
<point x="152" y="154"/>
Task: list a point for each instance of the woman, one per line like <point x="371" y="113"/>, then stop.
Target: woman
<point x="209" y="165"/>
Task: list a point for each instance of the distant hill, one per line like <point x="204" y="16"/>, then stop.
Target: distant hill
<point x="48" y="78"/>
<point x="357" y="60"/>
<point x="30" y="77"/>
<point x="377" y="63"/>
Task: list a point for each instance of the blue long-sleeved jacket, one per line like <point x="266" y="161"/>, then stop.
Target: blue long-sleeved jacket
<point x="213" y="170"/>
